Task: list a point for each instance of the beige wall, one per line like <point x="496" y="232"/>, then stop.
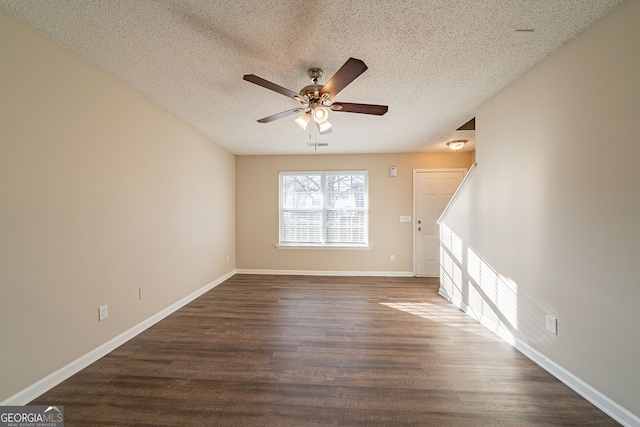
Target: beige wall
<point x="101" y="193"/>
<point x="389" y="198"/>
<point x="561" y="225"/>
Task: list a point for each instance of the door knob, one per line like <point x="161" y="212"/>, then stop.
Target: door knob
<point x="419" y="222"/>
<point x="419" y="228"/>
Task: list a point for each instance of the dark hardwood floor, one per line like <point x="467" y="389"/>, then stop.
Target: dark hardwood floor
<point x="326" y="351"/>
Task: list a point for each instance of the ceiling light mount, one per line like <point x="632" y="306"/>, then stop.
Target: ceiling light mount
<point x="457" y="144"/>
<point x="314" y="75"/>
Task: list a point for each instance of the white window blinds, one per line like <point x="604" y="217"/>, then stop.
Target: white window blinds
<point x="324" y="208"/>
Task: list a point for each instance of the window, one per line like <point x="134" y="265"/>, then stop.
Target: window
<point x="324" y="209"/>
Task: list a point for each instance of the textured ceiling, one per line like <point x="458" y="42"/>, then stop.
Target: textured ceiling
<point x="433" y="62"/>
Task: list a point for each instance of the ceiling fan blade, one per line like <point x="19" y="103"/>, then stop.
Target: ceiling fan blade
<point x="268" y="85"/>
<point x="348" y="107"/>
<point x="345" y="75"/>
<point x="280" y="115"/>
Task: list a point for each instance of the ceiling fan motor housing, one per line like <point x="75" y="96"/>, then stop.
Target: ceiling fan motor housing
<point x="312" y="92"/>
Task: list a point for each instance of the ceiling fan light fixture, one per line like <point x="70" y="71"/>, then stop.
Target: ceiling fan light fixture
<point x="303" y="120"/>
<point x="320" y="115"/>
<point x="324" y="127"/>
<point x="456" y="145"/>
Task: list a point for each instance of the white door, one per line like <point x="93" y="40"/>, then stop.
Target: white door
<point x="433" y="190"/>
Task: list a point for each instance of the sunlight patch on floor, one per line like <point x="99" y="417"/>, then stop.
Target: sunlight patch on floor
<point x="436" y="313"/>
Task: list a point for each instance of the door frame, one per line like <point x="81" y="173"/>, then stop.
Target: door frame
<point x="415" y="206"/>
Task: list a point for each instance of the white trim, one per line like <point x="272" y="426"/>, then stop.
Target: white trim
<point x="444" y="294"/>
<point x="325" y="247"/>
<point x="327" y="273"/>
<point x="39" y="387"/>
<point x="415" y="207"/>
<point x="599" y="400"/>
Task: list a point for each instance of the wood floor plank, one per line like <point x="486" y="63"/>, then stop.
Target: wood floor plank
<point x="308" y="351"/>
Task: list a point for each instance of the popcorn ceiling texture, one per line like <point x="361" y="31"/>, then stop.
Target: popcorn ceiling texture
<point x="433" y="62"/>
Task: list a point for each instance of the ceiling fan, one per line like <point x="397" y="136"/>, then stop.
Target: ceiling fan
<point x="317" y="99"/>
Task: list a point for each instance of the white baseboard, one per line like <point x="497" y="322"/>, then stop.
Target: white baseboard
<point x="328" y="273"/>
<point x="36" y="389"/>
<point x="444" y="294"/>
<point x="598" y="399"/>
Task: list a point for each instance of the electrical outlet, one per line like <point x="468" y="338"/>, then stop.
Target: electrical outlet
<point x="392" y="257"/>
<point x="103" y="312"/>
<point x="142" y="293"/>
<point x="227" y="258"/>
<point x="552" y="324"/>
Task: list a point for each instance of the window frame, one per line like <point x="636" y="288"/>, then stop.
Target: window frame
<point x="323" y="210"/>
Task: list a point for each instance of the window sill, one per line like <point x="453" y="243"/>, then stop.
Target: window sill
<point x="325" y="247"/>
